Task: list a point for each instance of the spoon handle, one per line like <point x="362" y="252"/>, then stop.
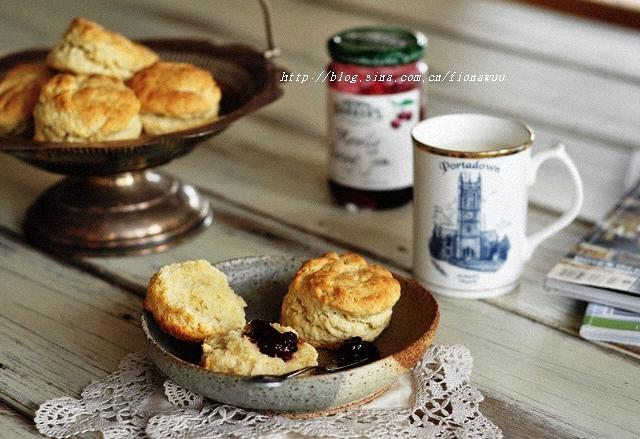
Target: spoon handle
<point x="277" y="380"/>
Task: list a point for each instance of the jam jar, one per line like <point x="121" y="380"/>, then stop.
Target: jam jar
<point x="375" y="97"/>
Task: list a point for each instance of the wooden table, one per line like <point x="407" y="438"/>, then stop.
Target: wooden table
<point x="66" y="322"/>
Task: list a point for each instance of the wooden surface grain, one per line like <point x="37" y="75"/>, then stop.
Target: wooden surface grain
<point x="14" y="425"/>
<point x="523" y="364"/>
<point x="68" y="321"/>
<point x="620" y="12"/>
<point x="609" y="51"/>
<point x="548" y="95"/>
<point x="57" y="336"/>
<point x="591" y="110"/>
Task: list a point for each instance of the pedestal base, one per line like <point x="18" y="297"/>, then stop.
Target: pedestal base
<point x="129" y="213"/>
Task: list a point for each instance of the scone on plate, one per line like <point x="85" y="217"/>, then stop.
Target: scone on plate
<point x="86" y="108"/>
<point x="19" y="90"/>
<point x="336" y="297"/>
<point x="192" y="300"/>
<point x="88" y="48"/>
<point x="175" y="96"/>
<point x="258" y="349"/>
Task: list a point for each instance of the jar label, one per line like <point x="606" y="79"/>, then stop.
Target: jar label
<point x="370" y="138"/>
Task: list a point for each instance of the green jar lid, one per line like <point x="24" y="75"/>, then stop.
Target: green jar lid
<point x="377" y="46"/>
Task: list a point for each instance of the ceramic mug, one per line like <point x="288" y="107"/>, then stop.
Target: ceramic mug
<point x="472" y="174"/>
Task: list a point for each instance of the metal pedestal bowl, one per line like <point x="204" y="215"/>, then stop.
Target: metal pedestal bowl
<point x="112" y="202"/>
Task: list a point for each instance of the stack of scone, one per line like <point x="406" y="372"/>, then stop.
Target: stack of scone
<point x="333" y="299"/>
<point x="80" y="94"/>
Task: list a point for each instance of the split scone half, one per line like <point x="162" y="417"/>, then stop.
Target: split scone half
<point x="175" y="96"/>
<point x="86" y="108"/>
<point x="335" y="297"/>
<point x="258" y="349"/>
<point x="88" y="48"/>
<point x="19" y="91"/>
<point x="192" y="300"/>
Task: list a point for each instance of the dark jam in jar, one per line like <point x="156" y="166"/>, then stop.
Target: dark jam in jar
<point x="270" y="341"/>
<point x="355" y="350"/>
<point x="375" y="98"/>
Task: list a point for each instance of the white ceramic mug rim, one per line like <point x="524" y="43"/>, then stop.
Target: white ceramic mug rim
<point x="490" y="150"/>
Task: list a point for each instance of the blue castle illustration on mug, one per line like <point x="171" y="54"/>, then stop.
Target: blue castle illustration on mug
<point x="467" y="245"/>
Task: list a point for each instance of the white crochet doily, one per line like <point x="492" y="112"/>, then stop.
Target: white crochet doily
<point x="137" y="402"/>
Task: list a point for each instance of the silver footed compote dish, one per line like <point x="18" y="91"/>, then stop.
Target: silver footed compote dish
<point x="113" y="201"/>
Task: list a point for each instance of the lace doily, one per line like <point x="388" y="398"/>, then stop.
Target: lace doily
<point x="137" y="402"/>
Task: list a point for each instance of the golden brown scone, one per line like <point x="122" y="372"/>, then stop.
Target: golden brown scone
<point x="85" y="109"/>
<point x="335" y="297"/>
<point x="234" y="353"/>
<point x="88" y="48"/>
<point x="175" y="96"/>
<point x="19" y="90"/>
<point x="192" y="301"/>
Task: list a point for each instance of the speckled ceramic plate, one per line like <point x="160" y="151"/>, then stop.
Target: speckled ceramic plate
<point x="262" y="282"/>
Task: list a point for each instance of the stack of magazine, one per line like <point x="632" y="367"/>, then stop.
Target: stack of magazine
<point x="604" y="269"/>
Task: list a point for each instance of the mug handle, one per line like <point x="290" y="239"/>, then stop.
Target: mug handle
<point x="557" y="152"/>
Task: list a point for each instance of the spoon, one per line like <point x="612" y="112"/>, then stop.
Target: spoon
<point x="278" y="380"/>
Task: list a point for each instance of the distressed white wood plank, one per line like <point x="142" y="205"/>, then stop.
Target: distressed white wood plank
<point x="258" y="176"/>
<point x="235" y="232"/>
<point x="60" y="328"/>
<point x="587" y="44"/>
<point x="487" y="367"/>
<point x="552" y="380"/>
<point x="15" y="37"/>
<point x="54" y="341"/>
<point x="512" y="353"/>
<point x="475" y="324"/>
<point x="602" y="165"/>
<point x="541" y="91"/>
<point x="533" y="86"/>
<point x="387" y="234"/>
<point x="270" y="160"/>
<point x="253" y="164"/>
<point x="602" y="185"/>
<point x="14" y="425"/>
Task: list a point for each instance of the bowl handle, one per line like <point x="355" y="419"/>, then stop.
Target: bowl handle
<point x="272" y="51"/>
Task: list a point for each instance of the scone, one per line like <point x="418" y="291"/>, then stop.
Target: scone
<point x="85" y="109"/>
<point x="333" y="298"/>
<point x="175" y="96"/>
<point x="19" y="90"/>
<point x="192" y="300"/>
<point x="88" y="48"/>
<point x="243" y="352"/>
